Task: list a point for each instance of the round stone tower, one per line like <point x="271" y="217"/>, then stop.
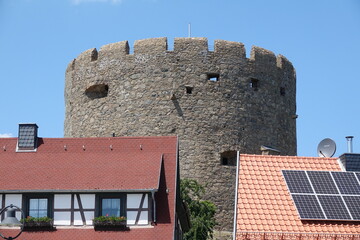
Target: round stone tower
<point x="217" y="102"/>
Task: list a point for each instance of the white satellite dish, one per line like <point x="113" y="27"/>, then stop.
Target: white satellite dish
<point x="326" y="148"/>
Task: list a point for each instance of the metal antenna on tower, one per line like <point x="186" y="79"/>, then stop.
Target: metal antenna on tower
<point x="189" y="30"/>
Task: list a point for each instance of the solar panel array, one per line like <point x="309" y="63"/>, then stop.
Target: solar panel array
<point x="325" y="195"/>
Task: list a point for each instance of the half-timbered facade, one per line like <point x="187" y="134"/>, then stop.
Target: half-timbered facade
<point x="74" y="180"/>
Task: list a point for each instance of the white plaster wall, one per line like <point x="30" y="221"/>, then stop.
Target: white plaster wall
<point x="87" y="200"/>
<point x="143" y="220"/>
<point x="133" y="200"/>
<point x="62" y="201"/>
<point x="62" y="218"/>
<point x="15" y="199"/>
<point x="77" y="218"/>
<point x="144" y="216"/>
<point x="131" y="217"/>
<point x="89" y="216"/>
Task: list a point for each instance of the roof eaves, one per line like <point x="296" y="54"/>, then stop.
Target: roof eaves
<point x="77" y="190"/>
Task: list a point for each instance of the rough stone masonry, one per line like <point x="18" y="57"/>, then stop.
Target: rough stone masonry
<point x="217" y="102"/>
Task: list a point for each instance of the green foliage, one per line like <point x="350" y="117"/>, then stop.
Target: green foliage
<point x="202" y="212"/>
<point x="30" y="219"/>
<point x="109" y="219"/>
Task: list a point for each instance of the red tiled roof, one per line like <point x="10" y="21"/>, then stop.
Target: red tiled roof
<point x="264" y="203"/>
<point x="117" y="163"/>
<point x="124" y="163"/>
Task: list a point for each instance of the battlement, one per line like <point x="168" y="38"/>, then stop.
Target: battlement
<point x="191" y="46"/>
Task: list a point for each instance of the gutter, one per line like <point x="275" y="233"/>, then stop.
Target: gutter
<point x="154" y="204"/>
<point x="236" y="193"/>
<point x="78" y="190"/>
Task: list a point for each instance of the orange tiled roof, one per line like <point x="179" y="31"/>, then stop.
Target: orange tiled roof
<point x="264" y="203"/>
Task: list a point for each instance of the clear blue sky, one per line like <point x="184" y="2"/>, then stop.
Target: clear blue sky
<point x="38" y="38"/>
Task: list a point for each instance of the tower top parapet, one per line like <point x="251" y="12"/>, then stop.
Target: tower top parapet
<point x="190" y="46"/>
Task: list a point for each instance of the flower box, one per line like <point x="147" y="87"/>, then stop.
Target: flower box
<point x="38" y="224"/>
<point x="105" y="223"/>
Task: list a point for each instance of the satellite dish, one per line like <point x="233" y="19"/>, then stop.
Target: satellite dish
<point x="326" y="148"/>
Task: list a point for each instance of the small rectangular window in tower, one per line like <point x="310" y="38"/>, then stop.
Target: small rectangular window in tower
<point x="228" y="158"/>
<point x="254" y="84"/>
<point x="189" y="89"/>
<point x="214" y="77"/>
<point x="282" y="91"/>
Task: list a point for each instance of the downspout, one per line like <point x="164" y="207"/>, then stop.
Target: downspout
<point x="236" y="193"/>
<point x="155" y="190"/>
<point x="154" y="204"/>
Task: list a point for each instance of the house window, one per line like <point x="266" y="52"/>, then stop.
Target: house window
<point x="38" y="205"/>
<point x="111" y="205"/>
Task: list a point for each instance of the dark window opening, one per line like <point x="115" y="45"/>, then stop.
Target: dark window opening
<point x="228" y="158"/>
<point x="214" y="77"/>
<point x="38" y="205"/>
<point x="189" y="89"/>
<point x="110" y="205"/>
<point x="282" y="91"/>
<point x="94" y="55"/>
<point x="97" y="91"/>
<point x="254" y="84"/>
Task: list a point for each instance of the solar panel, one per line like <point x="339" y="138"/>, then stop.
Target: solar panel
<point x="308" y="207"/>
<point x="334" y="207"/>
<point x="353" y="204"/>
<point x="322" y="182"/>
<point x="346" y="182"/>
<point x="336" y="195"/>
<point x="297" y="181"/>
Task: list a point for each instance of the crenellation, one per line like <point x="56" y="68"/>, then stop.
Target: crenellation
<point x="262" y="57"/>
<point x="150" y="46"/>
<point x="89" y="55"/>
<point x="215" y="101"/>
<point x="71" y="65"/>
<point x="230" y="49"/>
<point x="114" y="50"/>
<point x="283" y="63"/>
<point x="192" y="45"/>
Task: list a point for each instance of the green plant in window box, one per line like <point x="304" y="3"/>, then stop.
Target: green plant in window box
<point x="110" y="223"/>
<point x="37" y="222"/>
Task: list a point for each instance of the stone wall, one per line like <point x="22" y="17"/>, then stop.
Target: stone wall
<point x="217" y="102"/>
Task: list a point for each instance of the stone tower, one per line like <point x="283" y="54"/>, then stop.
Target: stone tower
<point x="217" y="102"/>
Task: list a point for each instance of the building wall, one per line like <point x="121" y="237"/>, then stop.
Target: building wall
<point x="215" y="101"/>
<point x="67" y="211"/>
